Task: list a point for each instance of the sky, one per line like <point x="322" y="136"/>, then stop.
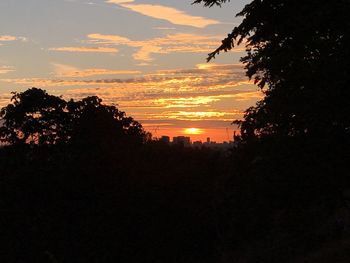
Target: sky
<point x="147" y="57"/>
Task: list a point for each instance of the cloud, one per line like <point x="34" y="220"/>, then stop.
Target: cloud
<point x="86" y="49"/>
<point x="7" y="38"/>
<point x="164" y="28"/>
<point x="174" y="43"/>
<point x="73" y="72"/>
<point x="215" y="77"/>
<point x="246" y="96"/>
<point x="198" y="115"/>
<point x="170" y="14"/>
<point x="111" y="39"/>
<point x="144" y="53"/>
<point x="6" y="69"/>
<point x="218" y="92"/>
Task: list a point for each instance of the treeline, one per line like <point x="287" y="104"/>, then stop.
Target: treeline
<point x="98" y="189"/>
<point x="123" y="197"/>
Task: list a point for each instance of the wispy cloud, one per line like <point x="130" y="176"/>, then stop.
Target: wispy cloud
<point x="67" y="71"/>
<point x="164" y="28"/>
<point x="167" y="80"/>
<point x="175" y="43"/>
<point x="6" y="69"/>
<point x="85" y="49"/>
<point x="7" y="38"/>
<point x="246" y="96"/>
<point x="170" y="14"/>
<point x="207" y="92"/>
<point x="198" y="115"/>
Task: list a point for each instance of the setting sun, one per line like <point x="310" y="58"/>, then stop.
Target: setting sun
<point x="193" y="131"/>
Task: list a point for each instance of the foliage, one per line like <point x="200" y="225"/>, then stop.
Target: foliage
<point x="287" y="195"/>
<point x="210" y="3"/>
<point x="297" y="52"/>
<point x="35" y="117"/>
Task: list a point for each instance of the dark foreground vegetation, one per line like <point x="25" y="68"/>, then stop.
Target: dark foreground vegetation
<point x="129" y="199"/>
<point x="82" y="182"/>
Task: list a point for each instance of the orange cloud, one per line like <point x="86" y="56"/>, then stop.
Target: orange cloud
<point x="164" y="28"/>
<point x="170" y="14"/>
<point x="110" y="39"/>
<point x="6" y="69"/>
<point x="196" y="115"/>
<point x="215" y="78"/>
<point x="72" y="72"/>
<point x="185" y="102"/>
<point x="211" y="92"/>
<point x="86" y="49"/>
<point x="175" y="43"/>
<point x="257" y="95"/>
<point x="7" y="38"/>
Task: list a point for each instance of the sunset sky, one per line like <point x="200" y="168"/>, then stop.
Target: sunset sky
<point x="146" y="56"/>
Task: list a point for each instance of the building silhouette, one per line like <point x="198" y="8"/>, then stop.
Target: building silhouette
<point x="165" y="139"/>
<point x="182" y="140"/>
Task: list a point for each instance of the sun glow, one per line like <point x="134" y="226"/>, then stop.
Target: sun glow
<point x="194" y="131"/>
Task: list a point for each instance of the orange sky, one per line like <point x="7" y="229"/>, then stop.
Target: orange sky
<point x="147" y="57"/>
<point x="215" y="134"/>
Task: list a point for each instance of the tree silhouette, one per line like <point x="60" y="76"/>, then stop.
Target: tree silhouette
<point x="297" y="53"/>
<point x="35" y="117"/>
<point x="289" y="180"/>
<point x="98" y="124"/>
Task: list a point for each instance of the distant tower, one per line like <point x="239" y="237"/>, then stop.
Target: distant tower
<point x="208" y="140"/>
